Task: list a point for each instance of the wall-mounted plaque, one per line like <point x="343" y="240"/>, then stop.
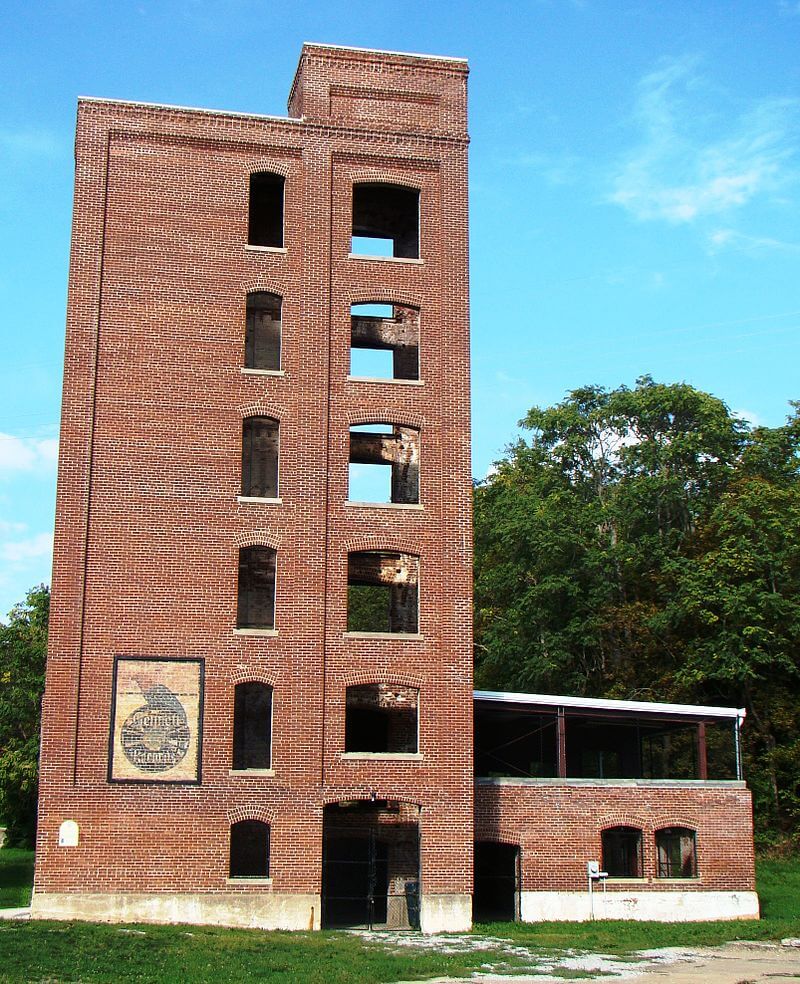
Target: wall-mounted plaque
<point x="156" y="720"/>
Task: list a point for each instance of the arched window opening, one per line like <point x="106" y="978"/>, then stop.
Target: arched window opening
<point x="260" y="447"/>
<point x="252" y="726"/>
<point x="384" y="341"/>
<point x="265" y="227"/>
<point x="256" y="595"/>
<point x="622" y="852"/>
<point x="249" y="856"/>
<point x="263" y="331"/>
<point x="382" y="592"/>
<point x="381" y="717"/>
<point x="676" y="850"/>
<point x="384" y="464"/>
<point x="385" y="220"/>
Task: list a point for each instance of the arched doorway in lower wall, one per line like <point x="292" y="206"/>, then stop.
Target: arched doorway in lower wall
<point x="370" y="865"/>
<point x="496" y="895"/>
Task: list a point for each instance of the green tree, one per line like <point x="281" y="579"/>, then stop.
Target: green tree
<point x="23" y="648"/>
<point x="644" y="542"/>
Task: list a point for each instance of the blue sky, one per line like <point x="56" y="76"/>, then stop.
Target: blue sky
<point x="635" y="192"/>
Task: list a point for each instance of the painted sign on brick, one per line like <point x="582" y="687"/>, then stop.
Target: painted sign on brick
<point x="156" y="720"/>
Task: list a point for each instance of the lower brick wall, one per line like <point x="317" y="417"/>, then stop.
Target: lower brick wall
<point x="557" y="826"/>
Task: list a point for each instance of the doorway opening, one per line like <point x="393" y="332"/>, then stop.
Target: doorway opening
<point x="496" y="882"/>
<point x="370" y="865"/>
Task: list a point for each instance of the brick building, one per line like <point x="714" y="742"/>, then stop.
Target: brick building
<point x="259" y="705"/>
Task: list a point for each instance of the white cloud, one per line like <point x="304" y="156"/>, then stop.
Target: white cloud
<point x="19" y="552"/>
<point x="27" y="454"/>
<point x="721" y="239"/>
<point x="692" y="161"/>
<point x="750" y="416"/>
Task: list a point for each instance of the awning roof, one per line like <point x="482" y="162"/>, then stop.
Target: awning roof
<point x="603" y="704"/>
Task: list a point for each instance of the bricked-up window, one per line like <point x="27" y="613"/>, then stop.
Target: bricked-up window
<point x="382" y="592"/>
<point x="256" y="596"/>
<point x="260" y="442"/>
<point x="249" y="849"/>
<point x="381" y="717"/>
<point x="263" y="331"/>
<point x="676" y="849"/>
<point x="384" y="341"/>
<point x="265" y="227"/>
<point x="385" y="220"/>
<point x="384" y="464"/>
<point x="252" y="726"/>
<point x="622" y="852"/>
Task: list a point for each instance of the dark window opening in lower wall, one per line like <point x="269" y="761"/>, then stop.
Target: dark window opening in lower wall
<point x="260" y="443"/>
<point x="381" y="717"/>
<point x="676" y="848"/>
<point x="622" y="852"/>
<point x="263" y="331"/>
<point x="370" y="865"/>
<point x="249" y="849"/>
<point x="382" y="592"/>
<point x="256" y="590"/>
<point x="252" y="726"/>
<point x="496" y="890"/>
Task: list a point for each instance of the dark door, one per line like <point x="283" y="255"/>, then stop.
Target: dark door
<point x="496" y="882"/>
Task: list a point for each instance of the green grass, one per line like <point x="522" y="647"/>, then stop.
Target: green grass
<point x="90" y="952"/>
<point x="16" y="877"/>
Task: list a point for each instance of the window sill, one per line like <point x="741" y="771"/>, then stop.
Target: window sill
<point x="383" y="635"/>
<point x="382" y="756"/>
<point x="385" y="379"/>
<point x="414" y="261"/>
<point x="258" y="498"/>
<point x="255" y="632"/>
<point x="251" y="772"/>
<point x="386" y="505"/>
<point x="281" y="250"/>
<point x="248" y="880"/>
<point x="629" y="880"/>
<point x="691" y="880"/>
<point x="261" y="372"/>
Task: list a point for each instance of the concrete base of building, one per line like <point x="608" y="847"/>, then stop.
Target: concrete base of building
<point x="445" y="913"/>
<point x="657" y="906"/>
<point x="267" y="910"/>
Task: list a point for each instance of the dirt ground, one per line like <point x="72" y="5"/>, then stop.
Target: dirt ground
<point x="733" y="963"/>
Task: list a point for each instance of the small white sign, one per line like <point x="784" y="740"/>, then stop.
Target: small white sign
<point x="68" y="834"/>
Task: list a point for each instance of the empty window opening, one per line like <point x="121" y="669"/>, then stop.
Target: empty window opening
<point x="249" y="849"/>
<point x="384" y="464"/>
<point x="370" y="865"/>
<point x="622" y="852"/>
<point x="263" y="331"/>
<point x="266" y="210"/>
<point x="381" y="717"/>
<point x="385" y="221"/>
<point x="256" y="595"/>
<point x="260" y="444"/>
<point x="496" y="882"/>
<point x="515" y="743"/>
<point x="382" y="592"/>
<point x="252" y="726"/>
<point x="384" y="341"/>
<point x="676" y="848"/>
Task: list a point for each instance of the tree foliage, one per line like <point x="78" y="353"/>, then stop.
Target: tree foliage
<point x="645" y="543"/>
<point x="23" y="649"/>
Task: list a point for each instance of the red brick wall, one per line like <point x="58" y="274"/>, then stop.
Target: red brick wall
<point x="148" y="526"/>
<point x="558" y="828"/>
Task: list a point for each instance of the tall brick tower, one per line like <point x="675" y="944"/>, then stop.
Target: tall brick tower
<point x="258" y="706"/>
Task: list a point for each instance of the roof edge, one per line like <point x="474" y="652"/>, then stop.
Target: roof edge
<point x="603" y="703"/>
